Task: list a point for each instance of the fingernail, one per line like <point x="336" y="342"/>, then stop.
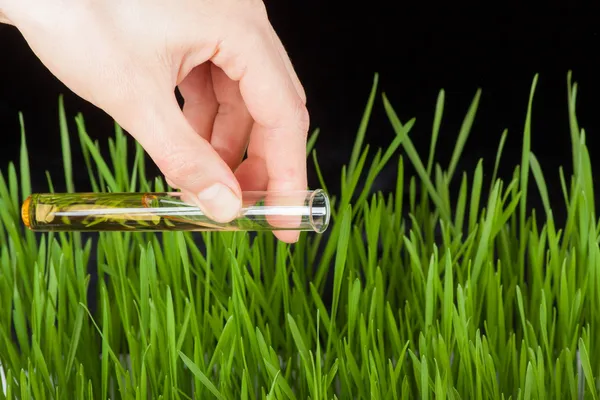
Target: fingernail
<point x="219" y="202"/>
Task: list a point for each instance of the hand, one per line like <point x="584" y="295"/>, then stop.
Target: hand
<point x="238" y="84"/>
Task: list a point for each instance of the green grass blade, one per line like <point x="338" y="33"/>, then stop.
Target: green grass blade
<point x="362" y="130"/>
<point x="201" y="376"/>
<point x="66" y="146"/>
<point x="465" y="130"/>
<point x="437" y="121"/>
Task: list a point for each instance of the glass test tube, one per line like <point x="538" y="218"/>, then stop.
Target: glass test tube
<point x="261" y="211"/>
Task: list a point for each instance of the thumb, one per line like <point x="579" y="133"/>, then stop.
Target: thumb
<point x="187" y="160"/>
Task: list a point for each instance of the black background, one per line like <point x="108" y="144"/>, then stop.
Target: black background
<point x="337" y="47"/>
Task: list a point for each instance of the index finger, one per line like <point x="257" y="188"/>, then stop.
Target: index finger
<point x="280" y="115"/>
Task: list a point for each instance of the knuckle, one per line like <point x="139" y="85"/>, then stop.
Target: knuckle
<point x="243" y="38"/>
<point x="289" y="178"/>
<point x="302" y="94"/>
<point x="296" y="121"/>
<point x="303" y="119"/>
<point x="289" y="174"/>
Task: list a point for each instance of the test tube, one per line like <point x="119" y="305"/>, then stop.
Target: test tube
<point x="167" y="211"/>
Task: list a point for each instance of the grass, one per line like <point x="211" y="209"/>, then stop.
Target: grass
<point x="426" y="292"/>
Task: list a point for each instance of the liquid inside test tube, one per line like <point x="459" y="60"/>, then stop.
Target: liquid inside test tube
<point x="261" y="211"/>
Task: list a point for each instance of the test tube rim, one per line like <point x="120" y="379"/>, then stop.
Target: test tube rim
<point x="325" y="225"/>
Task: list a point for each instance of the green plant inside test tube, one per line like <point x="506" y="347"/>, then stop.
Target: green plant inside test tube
<point x="261" y="211"/>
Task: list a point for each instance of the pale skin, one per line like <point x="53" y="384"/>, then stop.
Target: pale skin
<point x="240" y="89"/>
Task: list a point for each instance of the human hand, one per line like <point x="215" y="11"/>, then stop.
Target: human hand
<point x="238" y="84"/>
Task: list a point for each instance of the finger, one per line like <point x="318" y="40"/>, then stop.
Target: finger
<point x="252" y="175"/>
<point x="233" y="123"/>
<point x="289" y="67"/>
<point x="280" y="115"/>
<point x="186" y="159"/>
<point x="200" y="104"/>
